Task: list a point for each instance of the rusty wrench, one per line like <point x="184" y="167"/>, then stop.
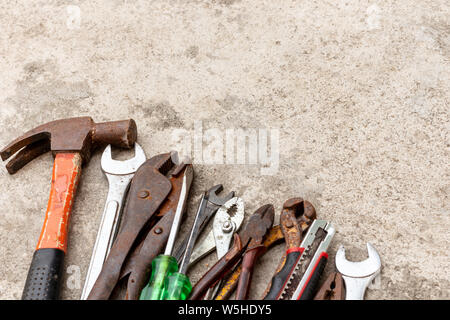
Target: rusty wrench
<point x="119" y="175"/>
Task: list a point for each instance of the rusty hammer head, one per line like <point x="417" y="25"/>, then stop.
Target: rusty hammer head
<point x="76" y="135"/>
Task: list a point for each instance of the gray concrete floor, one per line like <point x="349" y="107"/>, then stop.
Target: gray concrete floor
<point x="358" y="89"/>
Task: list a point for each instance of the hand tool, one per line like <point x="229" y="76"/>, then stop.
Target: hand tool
<point x="71" y="141"/>
<point x="293" y="236"/>
<point x="310" y="263"/>
<point x="210" y="202"/>
<point x="305" y="216"/>
<point x="119" y="175"/>
<point x="256" y="228"/>
<point x="163" y="266"/>
<point x="179" y="286"/>
<point x="332" y="288"/>
<point x="227" y="222"/>
<point x="358" y="275"/>
<point x="146" y="222"/>
<point x="208" y="244"/>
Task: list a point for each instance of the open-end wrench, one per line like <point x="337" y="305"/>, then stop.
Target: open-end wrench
<point x="358" y="275"/>
<point x="119" y="175"/>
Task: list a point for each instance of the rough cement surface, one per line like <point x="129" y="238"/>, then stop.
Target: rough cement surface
<point x="358" y="89"/>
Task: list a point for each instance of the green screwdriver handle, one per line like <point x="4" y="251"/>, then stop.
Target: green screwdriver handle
<point x="178" y="287"/>
<point x="162" y="267"/>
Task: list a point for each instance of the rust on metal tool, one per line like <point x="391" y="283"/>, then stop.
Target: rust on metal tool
<point x="75" y="135"/>
<point x="332" y="288"/>
<point x="138" y="266"/>
<point x="148" y="191"/>
<point x="146" y="223"/>
<point x="71" y="141"/>
<point x="219" y="269"/>
<point x="256" y="228"/>
<point x="305" y="216"/>
<point x="258" y="231"/>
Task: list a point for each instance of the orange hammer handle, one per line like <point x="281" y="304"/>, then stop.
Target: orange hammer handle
<point x="66" y="173"/>
<point x="44" y="276"/>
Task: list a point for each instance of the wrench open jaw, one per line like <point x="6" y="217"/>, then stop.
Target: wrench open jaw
<point x="358" y="275"/>
<point x="119" y="175"/>
<point x="118" y="167"/>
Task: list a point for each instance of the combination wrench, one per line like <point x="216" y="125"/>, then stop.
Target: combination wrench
<point x="119" y="175"/>
<point x="358" y="275"/>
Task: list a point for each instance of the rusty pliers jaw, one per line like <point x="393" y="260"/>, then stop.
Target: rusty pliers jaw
<point x="75" y="135"/>
<point x="258" y="225"/>
<point x="297" y="215"/>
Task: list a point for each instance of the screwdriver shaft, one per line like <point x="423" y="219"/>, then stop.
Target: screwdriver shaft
<point x="177" y="219"/>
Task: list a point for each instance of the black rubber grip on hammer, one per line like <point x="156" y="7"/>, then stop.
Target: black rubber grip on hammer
<point x="311" y="286"/>
<point x="281" y="277"/>
<point x="44" y="277"/>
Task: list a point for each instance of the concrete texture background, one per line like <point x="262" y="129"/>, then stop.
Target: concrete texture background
<point x="358" y="89"/>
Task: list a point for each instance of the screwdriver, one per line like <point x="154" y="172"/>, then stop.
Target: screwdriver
<point x="179" y="286"/>
<point x="164" y="265"/>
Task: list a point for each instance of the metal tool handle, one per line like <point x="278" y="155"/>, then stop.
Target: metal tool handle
<point x="192" y="237"/>
<point x="108" y="228"/>
<point x="356" y="287"/>
<point x="248" y="263"/>
<point x="217" y="271"/>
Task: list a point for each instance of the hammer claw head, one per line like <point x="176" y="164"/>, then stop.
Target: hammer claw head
<point x="75" y="135"/>
<point x="27" y="154"/>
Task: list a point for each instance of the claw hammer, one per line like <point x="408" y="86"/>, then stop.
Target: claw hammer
<point x="71" y="141"/>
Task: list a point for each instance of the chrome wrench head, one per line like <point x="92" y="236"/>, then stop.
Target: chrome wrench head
<point x="358" y="275"/>
<point x="117" y="167"/>
<point x="361" y="269"/>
